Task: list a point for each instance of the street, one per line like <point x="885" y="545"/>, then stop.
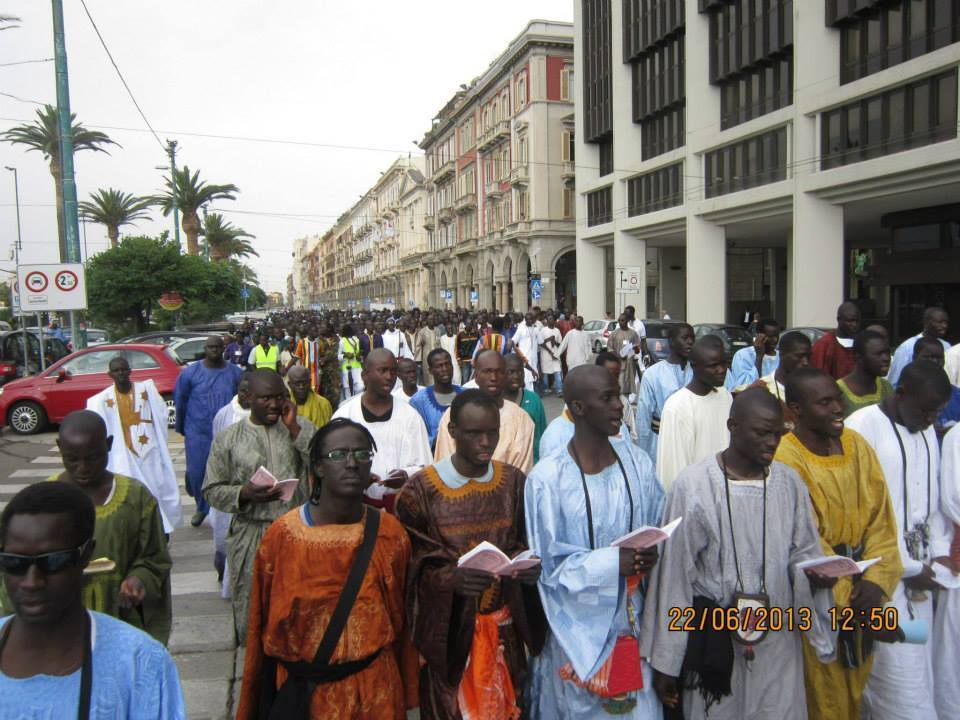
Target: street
<point x="202" y="638"/>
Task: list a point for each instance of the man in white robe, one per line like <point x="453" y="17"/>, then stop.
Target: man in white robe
<point x="946" y="625"/>
<point x="396" y="341"/>
<point x="527" y="340"/>
<point x="585" y="583"/>
<point x="900" y="430"/>
<point x="772" y="522"/>
<point x="659" y="382"/>
<point x="694" y="422"/>
<point x="576" y="344"/>
<point x="136" y="416"/>
<point x="398" y="429"/>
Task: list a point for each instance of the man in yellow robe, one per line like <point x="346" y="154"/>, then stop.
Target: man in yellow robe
<point x="315" y="408"/>
<point x="854" y="518"/>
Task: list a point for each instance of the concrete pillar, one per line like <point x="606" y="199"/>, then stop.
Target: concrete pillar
<point x="706" y="271"/>
<point x="816" y="262"/>
<point x="591" y="278"/>
<point x="549" y="296"/>
<point x="778" y="282"/>
<point x="672" y="282"/>
<point x="629" y="253"/>
<point x="521" y="290"/>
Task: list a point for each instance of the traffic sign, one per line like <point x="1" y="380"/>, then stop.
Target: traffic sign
<point x="536" y="285"/>
<point x="15" y="296"/>
<point x="244" y="293"/>
<point x="629" y="279"/>
<point x="52" y="287"/>
<point x="474" y="296"/>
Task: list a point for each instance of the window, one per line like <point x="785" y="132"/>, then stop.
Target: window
<point x="606" y="156"/>
<point x="656" y="190"/>
<point x="599" y="207"/>
<point x="140" y="360"/>
<point x="647" y="22"/>
<point x="567" y="203"/>
<point x="662" y="132"/>
<point x="913" y="115"/>
<point x="597" y="73"/>
<point x="522" y="151"/>
<point x="567" y="146"/>
<point x="521" y="97"/>
<point x="886" y="34"/>
<point x="758" y="92"/>
<point x="466" y="135"/>
<point x="565" y="81"/>
<point x="522" y="205"/>
<point x="658" y="79"/>
<point x="756" y="161"/>
<point x="744" y="33"/>
<point x="90" y="363"/>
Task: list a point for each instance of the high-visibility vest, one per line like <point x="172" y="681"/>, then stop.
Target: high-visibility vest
<point x="353" y="347"/>
<point x="266" y="359"/>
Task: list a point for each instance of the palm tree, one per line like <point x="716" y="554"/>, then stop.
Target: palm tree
<point x="191" y="194"/>
<point x="224" y="240"/>
<point x="113" y="209"/>
<point x="43" y="134"/>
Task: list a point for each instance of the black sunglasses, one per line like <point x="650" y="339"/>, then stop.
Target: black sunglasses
<point x="48" y="563"/>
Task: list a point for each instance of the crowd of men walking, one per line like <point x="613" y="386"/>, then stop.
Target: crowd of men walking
<point x="396" y="525"/>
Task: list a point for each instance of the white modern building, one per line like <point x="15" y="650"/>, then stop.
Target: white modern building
<point x="768" y="155"/>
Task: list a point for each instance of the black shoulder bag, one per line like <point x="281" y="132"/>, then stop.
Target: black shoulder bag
<point x="292" y="701"/>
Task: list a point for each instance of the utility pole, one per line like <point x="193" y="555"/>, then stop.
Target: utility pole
<point x="172" y="152"/>
<point x="70" y="222"/>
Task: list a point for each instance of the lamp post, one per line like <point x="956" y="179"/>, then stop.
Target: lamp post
<point x="17" y="247"/>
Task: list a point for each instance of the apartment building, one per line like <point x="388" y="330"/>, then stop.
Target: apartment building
<point x="768" y="155"/>
<point x="499" y="200"/>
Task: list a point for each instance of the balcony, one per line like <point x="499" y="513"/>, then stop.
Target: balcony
<point x="493" y="134"/>
<point x="520" y="175"/>
<point x="445" y="215"/>
<point x="569" y="172"/>
<point x="444" y="171"/>
<point x="493" y="189"/>
<point x="429" y="221"/>
<point x="466" y="203"/>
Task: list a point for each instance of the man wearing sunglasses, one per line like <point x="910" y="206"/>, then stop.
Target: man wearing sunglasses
<point x="57" y="659"/>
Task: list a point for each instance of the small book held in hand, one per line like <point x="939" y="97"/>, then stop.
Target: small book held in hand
<point x="487" y="556"/>
<point x="837" y="566"/>
<point x="264" y="478"/>
<point x="647" y="536"/>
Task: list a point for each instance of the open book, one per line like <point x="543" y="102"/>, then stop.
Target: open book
<point x="647" y="536"/>
<point x="487" y="556"/>
<point x="265" y="478"/>
<point x="837" y="566"/>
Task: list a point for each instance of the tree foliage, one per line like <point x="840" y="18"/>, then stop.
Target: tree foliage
<point x="124" y="285"/>
<point x="190" y="193"/>
<point x="225" y="240"/>
<point x="113" y="209"/>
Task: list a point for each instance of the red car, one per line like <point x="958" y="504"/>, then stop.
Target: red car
<point x="28" y="404"/>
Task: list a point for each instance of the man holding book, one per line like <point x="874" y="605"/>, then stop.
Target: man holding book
<point x="275" y="438"/>
<point x="747" y="523"/>
<point x="458" y="615"/>
<point x="579" y="500"/>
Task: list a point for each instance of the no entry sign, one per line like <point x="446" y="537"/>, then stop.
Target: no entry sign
<point x="52" y="287"/>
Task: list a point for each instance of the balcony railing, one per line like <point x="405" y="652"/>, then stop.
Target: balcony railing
<point x="444" y="171"/>
<point x="569" y="172"/>
<point x="494" y="134"/>
<point x="465" y="203"/>
<point x="520" y="175"/>
<point x="445" y="215"/>
<point x="493" y="189"/>
<point x="429" y="221"/>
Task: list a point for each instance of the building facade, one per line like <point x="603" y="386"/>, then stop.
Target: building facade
<point x="498" y="209"/>
<point x="717" y="174"/>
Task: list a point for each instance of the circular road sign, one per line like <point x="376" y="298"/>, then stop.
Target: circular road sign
<point x="36" y="281"/>
<point x="66" y="280"/>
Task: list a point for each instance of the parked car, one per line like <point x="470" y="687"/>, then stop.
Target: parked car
<point x="12" y="363"/>
<point x="95" y="336"/>
<point x="657" y="342"/>
<point x="734" y="337"/>
<point x="599" y="332"/>
<point x="27" y="405"/>
<point x="189" y="349"/>
<point x="160" y="337"/>
<point x="814" y="333"/>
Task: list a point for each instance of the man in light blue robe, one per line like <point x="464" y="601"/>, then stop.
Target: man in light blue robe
<point x="935" y="324"/>
<point x="202" y="389"/>
<point x="583" y="586"/>
<point x="743" y="367"/>
<point x="659" y="382"/>
<point x="432" y="402"/>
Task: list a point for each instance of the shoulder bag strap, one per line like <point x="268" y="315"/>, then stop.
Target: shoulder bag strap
<point x="350" y="590"/>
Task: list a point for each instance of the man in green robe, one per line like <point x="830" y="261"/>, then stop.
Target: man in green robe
<point x="528" y="400"/>
<point x="134" y="585"/>
<point x="275" y="438"/>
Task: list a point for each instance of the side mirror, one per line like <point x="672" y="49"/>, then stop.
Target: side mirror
<point x="62" y="375"/>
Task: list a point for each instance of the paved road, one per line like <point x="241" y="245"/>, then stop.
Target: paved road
<point x="202" y="639"/>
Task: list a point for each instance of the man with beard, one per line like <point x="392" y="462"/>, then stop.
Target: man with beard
<point x="275" y="438"/>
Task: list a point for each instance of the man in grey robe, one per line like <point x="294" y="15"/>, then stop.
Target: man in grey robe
<point x="701" y="560"/>
<point x="274" y="437"/>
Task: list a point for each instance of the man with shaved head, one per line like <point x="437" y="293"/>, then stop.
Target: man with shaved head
<point x="274" y="438"/>
<point x="833" y="352"/>
<point x="693" y="426"/>
<point x="854" y="519"/>
<point x="202" y="389"/>
<point x="747" y="522"/>
<point x="128" y="530"/>
<point x="515" y="446"/>
<point x="936" y="321"/>
<point x="137" y="417"/>
<point x="900" y="430"/>
<point x="397" y="429"/>
<point x="578" y="500"/>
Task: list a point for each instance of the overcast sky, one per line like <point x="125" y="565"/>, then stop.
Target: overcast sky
<point x="367" y="74"/>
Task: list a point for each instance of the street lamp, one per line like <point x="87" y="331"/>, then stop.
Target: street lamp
<point x="17" y="247"/>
